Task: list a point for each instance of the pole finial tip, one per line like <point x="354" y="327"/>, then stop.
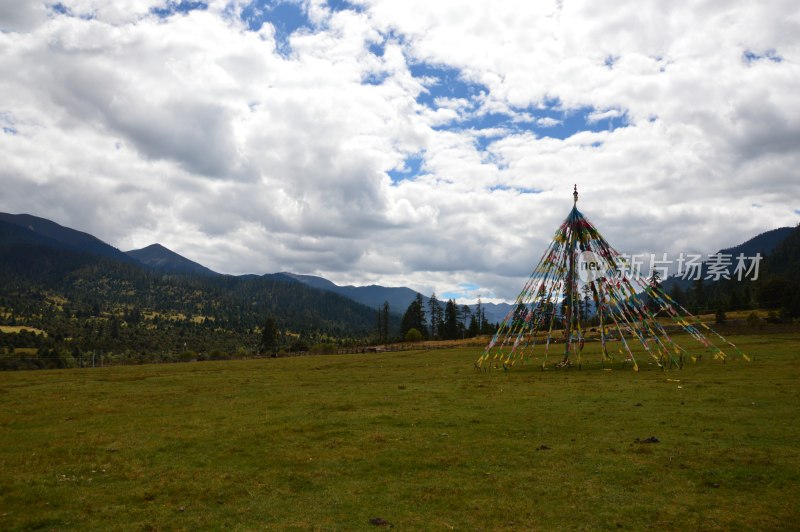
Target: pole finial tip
<point x="575" y="193"/>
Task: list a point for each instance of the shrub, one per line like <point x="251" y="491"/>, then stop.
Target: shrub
<point x="773" y="317"/>
<point x="720" y="316"/>
<point x="218" y="354"/>
<point x="187" y="356"/>
<point x="324" y="349"/>
<point x="413" y="335"/>
<point x="298" y="346"/>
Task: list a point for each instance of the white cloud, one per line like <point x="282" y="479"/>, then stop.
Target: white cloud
<point x="596" y="116"/>
<point x="192" y="131"/>
<point x="548" y="121"/>
<point x="18" y="16"/>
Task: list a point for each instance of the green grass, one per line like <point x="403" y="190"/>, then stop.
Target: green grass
<point x="20" y="328"/>
<point x="418" y="439"/>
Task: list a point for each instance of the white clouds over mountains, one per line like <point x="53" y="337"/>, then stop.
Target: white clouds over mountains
<point x="428" y="144"/>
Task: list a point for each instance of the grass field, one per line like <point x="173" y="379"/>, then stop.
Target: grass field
<point x="19" y="328"/>
<point x="418" y="440"/>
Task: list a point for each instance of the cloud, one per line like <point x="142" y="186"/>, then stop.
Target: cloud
<point x="21" y="16"/>
<point x="417" y="143"/>
<point x="596" y="116"/>
<point x="548" y="121"/>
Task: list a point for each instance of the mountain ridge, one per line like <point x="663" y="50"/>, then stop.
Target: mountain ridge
<point x="165" y="260"/>
<point x="162" y="259"/>
<point x="89" y="296"/>
<point x="763" y="243"/>
<point x="371" y="295"/>
<point x="66" y="237"/>
<point x="75" y="286"/>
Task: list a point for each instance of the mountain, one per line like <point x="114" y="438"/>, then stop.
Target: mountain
<point x="165" y="260"/>
<point x="89" y="296"/>
<point x="64" y="237"/>
<point x="778" y="287"/>
<point x="40" y="269"/>
<point x="12" y="235"/>
<point x="763" y="243"/>
<point x="399" y="298"/>
<point x="373" y="295"/>
<point x="784" y="259"/>
<point x="75" y="286"/>
<point x="495" y="312"/>
<point x="775" y="286"/>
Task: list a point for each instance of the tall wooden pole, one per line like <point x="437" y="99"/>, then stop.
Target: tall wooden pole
<point x="571" y="274"/>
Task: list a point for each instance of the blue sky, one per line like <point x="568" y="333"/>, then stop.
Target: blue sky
<point x="551" y="118"/>
<point x="286" y="17"/>
<point x="442" y="82"/>
<point x="182" y="6"/>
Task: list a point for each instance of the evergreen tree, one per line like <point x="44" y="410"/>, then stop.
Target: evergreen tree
<point x="548" y="312"/>
<point x="269" y="338"/>
<point x="450" y="331"/>
<point x="654" y="281"/>
<point x="698" y="296"/>
<point x="735" y="301"/>
<point x="435" y="316"/>
<point x="463" y="320"/>
<point x="720" y="314"/>
<point x="414" y="317"/>
<point x="519" y="315"/>
<point x="587" y="302"/>
<point x="472" y="330"/>
<point x="678" y="295"/>
<point x="486" y="327"/>
<point x="114" y="328"/>
<point x="385" y="321"/>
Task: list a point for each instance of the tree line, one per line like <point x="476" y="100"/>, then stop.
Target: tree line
<point x="437" y="321"/>
<point x="776" y="290"/>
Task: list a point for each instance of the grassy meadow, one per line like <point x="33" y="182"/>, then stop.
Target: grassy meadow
<point x="414" y="440"/>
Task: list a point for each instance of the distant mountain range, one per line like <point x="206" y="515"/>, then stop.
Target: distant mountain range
<point x="45" y="267"/>
<point x="764" y="243"/>
<point x="160" y="259"/>
<point x="153" y="305"/>
<point x="372" y="295"/>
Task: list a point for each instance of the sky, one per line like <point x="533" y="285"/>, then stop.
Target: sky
<point x="428" y="144"/>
